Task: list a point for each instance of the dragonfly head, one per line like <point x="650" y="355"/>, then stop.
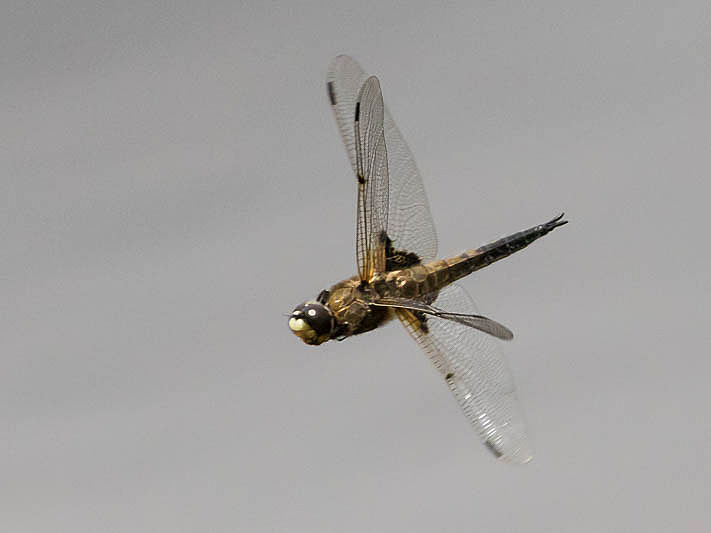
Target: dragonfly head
<point x="312" y="322"/>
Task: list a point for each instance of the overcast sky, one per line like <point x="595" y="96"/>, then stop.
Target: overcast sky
<point x="174" y="183"/>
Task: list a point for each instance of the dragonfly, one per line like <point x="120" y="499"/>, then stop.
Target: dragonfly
<point x="399" y="275"/>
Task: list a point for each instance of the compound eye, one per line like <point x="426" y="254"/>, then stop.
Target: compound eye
<point x="316" y="315"/>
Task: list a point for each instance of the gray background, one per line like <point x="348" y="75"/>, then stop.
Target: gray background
<point x="174" y="182"/>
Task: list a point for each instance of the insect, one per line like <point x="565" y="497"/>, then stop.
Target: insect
<point x="399" y="275"/>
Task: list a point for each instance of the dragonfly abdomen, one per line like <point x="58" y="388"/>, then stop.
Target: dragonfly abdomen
<point x="420" y="280"/>
<point x="415" y="281"/>
<point x="473" y="260"/>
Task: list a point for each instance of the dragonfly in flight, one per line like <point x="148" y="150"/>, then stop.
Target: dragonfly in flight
<point x="400" y="276"/>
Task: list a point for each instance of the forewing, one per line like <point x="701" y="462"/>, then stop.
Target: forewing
<point x="372" y="176"/>
<point x="344" y="81"/>
<point x="409" y="221"/>
<point x="475" y="371"/>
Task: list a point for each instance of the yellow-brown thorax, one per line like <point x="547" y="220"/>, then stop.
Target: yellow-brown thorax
<point x="349" y="299"/>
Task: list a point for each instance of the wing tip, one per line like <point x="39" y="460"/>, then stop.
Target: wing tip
<point x="521" y="456"/>
<point x="501" y="447"/>
<point x="339" y="60"/>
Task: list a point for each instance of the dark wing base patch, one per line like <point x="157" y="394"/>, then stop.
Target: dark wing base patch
<point x="422" y="318"/>
<point x="398" y="259"/>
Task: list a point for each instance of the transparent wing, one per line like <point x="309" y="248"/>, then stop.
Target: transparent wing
<point x="409" y="222"/>
<point x="475" y="371"/>
<point x="372" y="176"/>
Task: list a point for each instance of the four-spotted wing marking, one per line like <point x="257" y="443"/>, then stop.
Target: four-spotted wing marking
<point x="470" y="361"/>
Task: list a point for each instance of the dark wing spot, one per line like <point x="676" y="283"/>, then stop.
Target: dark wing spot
<point x="357" y="113"/>
<point x="449" y="376"/>
<point x="331" y="93"/>
<point x="493" y="448"/>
